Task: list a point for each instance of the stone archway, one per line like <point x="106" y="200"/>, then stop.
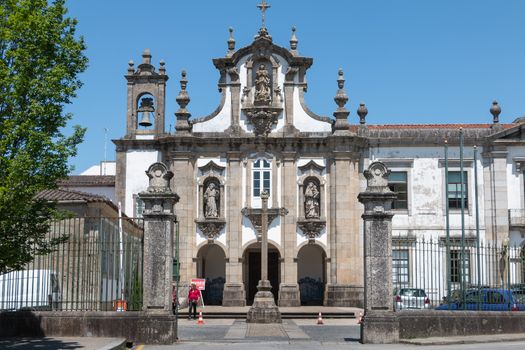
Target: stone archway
<point x="311" y="274"/>
<point x="252" y="269"/>
<point x="211" y="265"/>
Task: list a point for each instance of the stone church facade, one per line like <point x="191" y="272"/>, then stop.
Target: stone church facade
<point x="263" y="137"/>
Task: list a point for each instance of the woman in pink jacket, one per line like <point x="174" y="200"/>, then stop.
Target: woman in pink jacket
<point x="194" y="296"/>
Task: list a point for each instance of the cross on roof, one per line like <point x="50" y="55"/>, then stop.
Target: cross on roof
<point x="263" y="6"/>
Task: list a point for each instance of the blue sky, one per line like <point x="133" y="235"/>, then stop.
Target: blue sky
<point x="410" y="61"/>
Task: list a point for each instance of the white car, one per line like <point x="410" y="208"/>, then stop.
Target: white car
<point x="411" y="298"/>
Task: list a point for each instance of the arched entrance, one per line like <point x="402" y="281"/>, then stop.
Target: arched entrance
<point x="252" y="270"/>
<point x="211" y="265"/>
<point x="311" y="274"/>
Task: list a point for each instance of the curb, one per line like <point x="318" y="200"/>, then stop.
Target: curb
<point x="505" y="338"/>
<point x="118" y="344"/>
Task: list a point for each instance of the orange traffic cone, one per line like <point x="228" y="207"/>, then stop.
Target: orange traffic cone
<point x="320" y="319"/>
<point x="360" y="318"/>
<point x="200" y="321"/>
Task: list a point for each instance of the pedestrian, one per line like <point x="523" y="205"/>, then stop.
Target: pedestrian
<point x="194" y="296"/>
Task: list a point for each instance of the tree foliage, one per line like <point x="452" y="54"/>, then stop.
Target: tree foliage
<point x="40" y="60"/>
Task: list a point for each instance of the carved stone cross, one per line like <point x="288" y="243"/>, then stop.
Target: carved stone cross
<point x="263" y="6"/>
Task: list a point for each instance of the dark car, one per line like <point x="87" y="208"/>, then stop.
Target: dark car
<point x="487" y="299"/>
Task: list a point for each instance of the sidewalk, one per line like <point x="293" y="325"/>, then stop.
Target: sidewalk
<point x="472" y="339"/>
<point x="64" y="343"/>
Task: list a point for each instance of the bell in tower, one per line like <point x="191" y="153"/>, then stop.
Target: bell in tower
<point x="145" y="109"/>
<point x="146" y="98"/>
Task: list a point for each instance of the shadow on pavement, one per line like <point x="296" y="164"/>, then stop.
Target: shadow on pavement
<point x="37" y="343"/>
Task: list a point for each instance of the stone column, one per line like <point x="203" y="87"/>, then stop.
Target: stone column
<point x="234" y="294"/>
<point x="289" y="288"/>
<point x="264" y="309"/>
<point x="159" y="220"/>
<point x="380" y="325"/>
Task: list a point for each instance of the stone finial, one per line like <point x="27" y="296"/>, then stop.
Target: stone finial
<point x="362" y="111"/>
<point x="495" y="110"/>
<point x="231" y="42"/>
<point x="341" y="98"/>
<point x="146" y="56"/>
<point x="159" y="178"/>
<point x="293" y="40"/>
<point x="131" y="67"/>
<point x="377" y="178"/>
<point x="162" y="68"/>
<point x="183" y="99"/>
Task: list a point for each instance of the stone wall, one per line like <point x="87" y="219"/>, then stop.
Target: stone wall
<point x="134" y="326"/>
<point x="423" y="324"/>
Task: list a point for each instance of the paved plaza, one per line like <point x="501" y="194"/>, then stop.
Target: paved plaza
<point x="333" y="330"/>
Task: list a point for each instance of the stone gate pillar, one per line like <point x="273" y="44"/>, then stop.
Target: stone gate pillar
<point x="159" y="220"/>
<point x="380" y="325"/>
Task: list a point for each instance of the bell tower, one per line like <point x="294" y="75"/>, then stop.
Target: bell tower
<point x="146" y="99"/>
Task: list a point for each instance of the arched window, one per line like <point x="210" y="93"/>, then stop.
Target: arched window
<point x="262" y="170"/>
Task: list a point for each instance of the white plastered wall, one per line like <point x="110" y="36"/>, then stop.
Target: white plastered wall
<point x="426" y="190"/>
<point x="137" y="163"/>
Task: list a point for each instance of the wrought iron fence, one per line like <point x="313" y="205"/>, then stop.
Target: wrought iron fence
<point x="97" y="268"/>
<point x="451" y="272"/>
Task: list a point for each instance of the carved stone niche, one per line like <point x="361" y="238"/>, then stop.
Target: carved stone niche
<point x="255" y="216"/>
<point x="311" y="222"/>
<point x="262" y="100"/>
<point x="211" y="179"/>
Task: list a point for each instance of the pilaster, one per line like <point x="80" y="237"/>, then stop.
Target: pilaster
<point x="183" y="169"/>
<point x="234" y="292"/>
<point x="289" y="288"/>
<point x="345" y="286"/>
<point x="496" y="190"/>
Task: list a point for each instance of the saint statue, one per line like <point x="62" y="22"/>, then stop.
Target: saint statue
<point x="262" y="86"/>
<point x="311" y="201"/>
<point x="211" y="198"/>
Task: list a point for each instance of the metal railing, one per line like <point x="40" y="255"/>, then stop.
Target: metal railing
<point x="97" y="268"/>
<point x="447" y="272"/>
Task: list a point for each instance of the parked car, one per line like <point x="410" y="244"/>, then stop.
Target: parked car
<point x="411" y="298"/>
<point x="488" y="299"/>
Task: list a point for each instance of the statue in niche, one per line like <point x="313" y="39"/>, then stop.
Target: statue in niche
<point x="211" y="200"/>
<point x="311" y="201"/>
<point x="262" y="86"/>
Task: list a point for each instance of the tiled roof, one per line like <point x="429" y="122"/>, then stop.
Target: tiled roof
<point x="88" y="180"/>
<point x="437" y="126"/>
<point x="62" y="194"/>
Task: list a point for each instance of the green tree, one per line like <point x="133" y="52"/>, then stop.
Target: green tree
<point x="40" y="60"/>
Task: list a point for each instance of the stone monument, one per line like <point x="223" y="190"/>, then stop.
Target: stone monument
<point x="264" y="309"/>
<point x="159" y="220"/>
<point x="380" y="325"/>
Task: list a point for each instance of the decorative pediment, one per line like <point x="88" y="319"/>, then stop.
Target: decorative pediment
<point x="212" y="168"/>
<point x="311" y="167"/>
<point x="255" y="216"/>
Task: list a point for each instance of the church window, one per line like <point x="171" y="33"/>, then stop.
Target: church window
<point x="261" y="177"/>
<point x="397" y="182"/>
<point x="454" y="190"/>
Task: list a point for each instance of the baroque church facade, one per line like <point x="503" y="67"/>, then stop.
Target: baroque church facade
<point x="263" y="138"/>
